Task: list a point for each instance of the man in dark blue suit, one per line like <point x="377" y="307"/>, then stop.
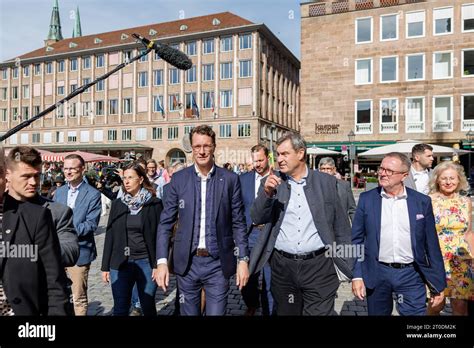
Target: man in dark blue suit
<point x="250" y="183"/>
<point x="211" y="240"/>
<point x="396" y="229"/>
<point x="85" y="202"/>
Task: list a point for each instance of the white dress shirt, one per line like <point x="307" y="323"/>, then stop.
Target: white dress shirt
<point x="72" y="194"/>
<point x="258" y="181"/>
<point x="421" y="180"/>
<point x="395" y="238"/>
<point x="202" y="229"/>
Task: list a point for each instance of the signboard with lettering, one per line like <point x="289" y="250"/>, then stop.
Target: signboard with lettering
<point x="326" y="128"/>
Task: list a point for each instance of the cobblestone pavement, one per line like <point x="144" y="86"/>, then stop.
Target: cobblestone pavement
<point x="101" y="302"/>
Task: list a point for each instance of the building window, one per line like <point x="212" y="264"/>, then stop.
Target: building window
<point x="14" y="114"/>
<point x="86" y="108"/>
<point x="468" y="62"/>
<point x="71" y="136"/>
<point x="99" y="60"/>
<point x="226" y="99"/>
<point x="113" y="107"/>
<point x="389" y="69"/>
<point x="158" y="77"/>
<point x="174" y="76"/>
<point x="127" y="105"/>
<point x="191" y="48"/>
<point x="158" y="104"/>
<point x="415" y="115"/>
<point x="4" y="74"/>
<point x="73" y="87"/>
<point x="3" y="115"/>
<point x="86" y="62"/>
<point x="363" y="73"/>
<point x="59" y="137"/>
<point x="13" y="139"/>
<point x="225" y="130"/>
<point x="3" y="93"/>
<point x="142" y="79"/>
<point x="112" y="135"/>
<point x="442" y="21"/>
<point x="243" y="130"/>
<point x="442" y="114"/>
<point x="468" y="17"/>
<point x="174" y="102"/>
<point x="245" y="41"/>
<point x="127" y="56"/>
<point x="208" y="72"/>
<point x="226" y="70"/>
<point x="14" y="92"/>
<point x="156" y="56"/>
<point x="143" y="58"/>
<point x="415" y="24"/>
<point x="208" y="46"/>
<point x="389" y="27"/>
<point x="226" y="44"/>
<point x="173" y="133"/>
<point x="84" y="136"/>
<point x="415" y="67"/>
<point x="15" y="73"/>
<point x="363" y="117"/>
<point x="73" y="64"/>
<point x="49" y="68"/>
<point x="442" y="65"/>
<point x="23" y="138"/>
<point x="100" y="86"/>
<point x="364" y="30"/>
<point x="36" y="110"/>
<point x="37" y="69"/>
<point x="25" y="112"/>
<point x="35" y="138"/>
<point x="99" y="107"/>
<point x="388" y="115"/>
<point x="208" y="100"/>
<point x="140" y="134"/>
<point x="47" y="138"/>
<point x="191" y="74"/>
<point x="188" y="129"/>
<point x="98" y="135"/>
<point x="26" y="71"/>
<point x="72" y="110"/>
<point x="126" y="134"/>
<point x="25" y="91"/>
<point x="60" y="90"/>
<point x="467" y="109"/>
<point x="245" y="68"/>
<point x="61" y="67"/>
<point x="156" y="133"/>
<point x="86" y="81"/>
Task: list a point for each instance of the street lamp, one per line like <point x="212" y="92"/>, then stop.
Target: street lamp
<point x="351" y="137"/>
<point x="470" y="138"/>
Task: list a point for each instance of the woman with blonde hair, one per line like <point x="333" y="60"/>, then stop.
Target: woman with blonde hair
<point x="452" y="210"/>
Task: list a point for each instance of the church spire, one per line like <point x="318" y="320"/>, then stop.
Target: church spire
<point x="55" y="26"/>
<point x="76" y="31"/>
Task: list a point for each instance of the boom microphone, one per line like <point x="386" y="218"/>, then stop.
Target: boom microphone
<point x="168" y="54"/>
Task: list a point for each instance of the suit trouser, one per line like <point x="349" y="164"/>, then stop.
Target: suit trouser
<point x="303" y="287"/>
<point x="79" y="276"/>
<point x="407" y="286"/>
<point x="204" y="272"/>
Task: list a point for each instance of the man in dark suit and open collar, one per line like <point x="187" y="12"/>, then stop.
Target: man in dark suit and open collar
<point x="305" y="223"/>
<point x="211" y="240"/>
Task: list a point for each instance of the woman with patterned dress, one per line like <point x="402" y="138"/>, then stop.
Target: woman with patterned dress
<point x="452" y="213"/>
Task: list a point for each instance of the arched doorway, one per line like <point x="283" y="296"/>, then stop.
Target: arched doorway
<point x="176" y="155"/>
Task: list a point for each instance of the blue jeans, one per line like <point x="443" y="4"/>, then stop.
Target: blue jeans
<point x="135" y="299"/>
<point x="134" y="271"/>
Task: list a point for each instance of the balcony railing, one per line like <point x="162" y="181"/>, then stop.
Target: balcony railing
<point x="389" y="127"/>
<point x="442" y="126"/>
<point x="415" y="127"/>
<point x="363" y="128"/>
<point x="322" y="8"/>
<point x="467" y="124"/>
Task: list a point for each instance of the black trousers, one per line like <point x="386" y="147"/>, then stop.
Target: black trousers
<point x="303" y="287"/>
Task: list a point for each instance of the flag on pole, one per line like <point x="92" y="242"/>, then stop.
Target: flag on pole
<point x="194" y="106"/>
<point x="160" y="107"/>
<point x="211" y="100"/>
<point x="175" y="103"/>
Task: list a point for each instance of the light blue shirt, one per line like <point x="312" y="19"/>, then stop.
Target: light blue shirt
<point x="298" y="233"/>
<point x="72" y="194"/>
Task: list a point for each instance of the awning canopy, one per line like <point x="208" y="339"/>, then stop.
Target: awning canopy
<point x="314" y="150"/>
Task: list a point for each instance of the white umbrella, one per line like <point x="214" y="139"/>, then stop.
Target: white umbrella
<point x="405" y="147"/>
<point x="320" y="151"/>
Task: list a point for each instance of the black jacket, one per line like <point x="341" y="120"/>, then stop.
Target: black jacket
<point x="116" y="238"/>
<point x="33" y="287"/>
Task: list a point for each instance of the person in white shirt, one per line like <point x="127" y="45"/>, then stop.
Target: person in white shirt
<point x="419" y="174"/>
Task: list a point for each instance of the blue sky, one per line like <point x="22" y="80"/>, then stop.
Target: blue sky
<point x="24" y="24"/>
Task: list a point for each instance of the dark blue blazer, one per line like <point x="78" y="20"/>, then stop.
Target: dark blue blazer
<point x="247" y="184"/>
<point x="229" y="220"/>
<point x="425" y="244"/>
<point x="86" y="216"/>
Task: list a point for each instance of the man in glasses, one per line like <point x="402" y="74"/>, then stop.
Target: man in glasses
<point x="85" y="202"/>
<point x="396" y="227"/>
<point x="211" y="240"/>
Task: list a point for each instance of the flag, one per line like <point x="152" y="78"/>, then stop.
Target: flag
<point x="194" y="106"/>
<point x="160" y="107"/>
<point x="211" y="101"/>
<point x="175" y="103"/>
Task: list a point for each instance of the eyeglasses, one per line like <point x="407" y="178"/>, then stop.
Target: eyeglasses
<point x="388" y="172"/>
<point x="207" y="148"/>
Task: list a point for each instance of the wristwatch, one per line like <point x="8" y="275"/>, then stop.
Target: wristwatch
<point x="244" y="258"/>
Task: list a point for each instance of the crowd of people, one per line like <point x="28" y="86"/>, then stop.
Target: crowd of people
<point x="274" y="229"/>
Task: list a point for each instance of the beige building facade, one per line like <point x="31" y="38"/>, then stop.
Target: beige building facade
<point x="244" y="82"/>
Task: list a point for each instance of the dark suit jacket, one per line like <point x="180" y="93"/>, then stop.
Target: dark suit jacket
<point x="229" y="220"/>
<point x="326" y="209"/>
<point x="86" y="216"/>
<point x="116" y="238"/>
<point x="424" y="239"/>
<point x="33" y="287"/>
<point x="347" y="198"/>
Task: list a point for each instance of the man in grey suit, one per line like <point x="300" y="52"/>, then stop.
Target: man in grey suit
<point x="420" y="171"/>
<point x="327" y="165"/>
<point x="302" y="212"/>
